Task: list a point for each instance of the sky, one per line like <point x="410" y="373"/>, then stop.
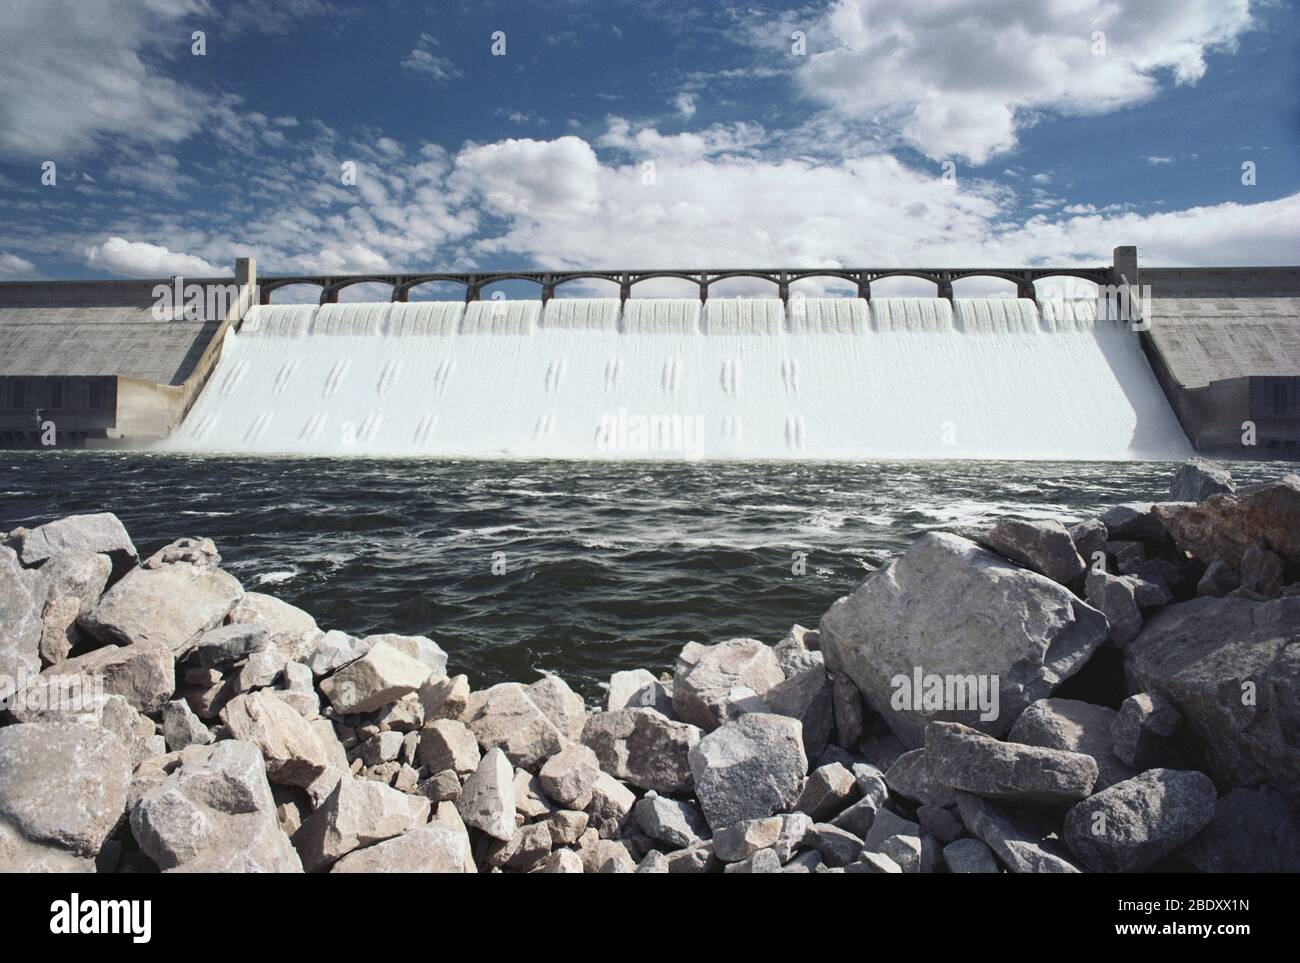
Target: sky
<point x="145" y="138"/>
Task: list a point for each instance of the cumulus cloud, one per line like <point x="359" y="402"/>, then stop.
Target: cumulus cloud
<point x="15" y="268"/>
<point x="140" y="259"/>
<point x="960" y="77"/>
<point x="422" y="60"/>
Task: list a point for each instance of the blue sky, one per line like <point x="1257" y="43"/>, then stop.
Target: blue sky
<point x="643" y="134"/>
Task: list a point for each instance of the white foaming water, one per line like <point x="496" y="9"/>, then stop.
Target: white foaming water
<point x="667" y="378"/>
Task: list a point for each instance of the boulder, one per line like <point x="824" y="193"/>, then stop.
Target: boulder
<point x="527" y="847"/>
<point x="797" y="652"/>
<point x="1021" y="845"/>
<point x="873" y="863"/>
<point x="385" y="747"/>
<point x="1089" y="537"/>
<point x="763" y="861"/>
<point x="448" y="744"/>
<point x="377" y="679"/>
<point x="1074" y="726"/>
<point x="561" y="861"/>
<point x="1141" y="730"/>
<point x="1008" y="772"/>
<point x="214" y="814"/>
<point x="1135" y="522"/>
<point x="560" y="704"/>
<point x="22" y="606"/>
<point x="1253" y="831"/>
<point x="79" y="575"/>
<point x="102" y="533"/>
<point x="886" y="824"/>
<point x="59" y="633"/>
<point x="715" y="683"/>
<point x="567" y="777"/>
<point x="638" y="689"/>
<point x="181" y="727"/>
<point x="229" y="643"/>
<point x="20" y="855"/>
<point x="828" y="790"/>
<point x="749" y="768"/>
<point x="846" y="708"/>
<point x="504" y="717"/>
<point x="969" y="856"/>
<point x="418" y="647"/>
<point x="567" y="826"/>
<point x="1230" y="667"/>
<point x="643" y="748"/>
<point x="294" y="752"/>
<point x="1126" y="828"/>
<point x="1261" y="574"/>
<point x="290" y="630"/>
<point x="838" y="847"/>
<point x="954" y="613"/>
<point x="487" y="800"/>
<point x="429" y="849"/>
<point x="1042" y="545"/>
<point x="143" y="673"/>
<point x="674" y="822"/>
<point x="171" y="604"/>
<point x="443" y="698"/>
<point x="531" y="800"/>
<point x="1196" y="480"/>
<point x="357" y="813"/>
<point x="1224" y="526"/>
<point x="806" y="696"/>
<point x="783" y="835"/>
<point x="335" y="649"/>
<point x="610" y="807"/>
<point x="1114" y="597"/>
<point x="912" y="778"/>
<point x="64" y="785"/>
<point x="903" y="850"/>
<point x="1219" y="580"/>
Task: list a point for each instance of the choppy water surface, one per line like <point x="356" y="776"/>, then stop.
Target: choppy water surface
<point x="607" y="565"/>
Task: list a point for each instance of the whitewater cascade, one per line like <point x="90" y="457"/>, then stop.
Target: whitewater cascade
<point x="836" y="378"/>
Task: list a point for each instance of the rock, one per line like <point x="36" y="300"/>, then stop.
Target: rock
<point x="903" y="850"/>
<point x="531" y="800"/>
<point x="1042" y="545"/>
<point x="259" y="670"/>
<point x="443" y="698"/>
<point x="1074" y="726"/>
<point x="567" y="777"/>
<point x="171" y="604"/>
<point x="1253" y="831"/>
<point x="79" y="575"/>
<point x="860" y="817"/>
<point x="22" y="606"/>
<point x="198" y="552"/>
<point x="487" y="800"/>
<point x="529" y="845"/>
<point x="561" y="861"/>
<point x="1224" y="526"/>
<point x="873" y="863"/>
<point x="567" y="826"/>
<point x="608" y="856"/>
<point x="698" y="858"/>
<point x="506" y="718"/>
<point x="653" y="862"/>
<point x="1219" y="580"/>
<point x="1008" y="772"/>
<point x="643" y="748"/>
<point x="969" y="856"/>
<point x="795" y="655"/>
<point x="59" y="633"/>
<point x="377" y="679"/>
<point x="911" y="777"/>
<point x="385" y="747"/>
<point x="334" y="650"/>
<point x="357" y="813"/>
<point x="560" y="704"/>
<point x="714" y="683"/>
<point x="1261" y="573"/>
<point x="846" y="707"/>
<point x="674" y="822"/>
<point x="143" y="673"/>
<point x="1142" y="728"/>
<point x="1134" y="823"/>
<point x="749" y="768"/>
<point x="181" y="727"/>
<point x="959" y="615"/>
<point x="441" y="787"/>
<point x="1197" y="480"/>
<point x="64" y="785"/>
<point x="20" y="855"/>
<point x="828" y="790"/>
<point x="837" y="846"/>
<point x="214" y="814"/>
<point x="448" y="744"/>
<point x="745" y="838"/>
<point x="294" y="752"/>
<point x="637" y="689"/>
<point x="611" y="805"/>
<point x="1089" y="537"/>
<point x="417" y="647"/>
<point x="886" y="824"/>
<point x="1146" y="593"/>
<point x="806" y="696"/>
<point x="1113" y="596"/>
<point x="429" y="849"/>
<point x="1229" y="666"/>
<point x="1136" y="522"/>
<point x="763" y="861"/>
<point x="290" y="630"/>
<point x="809" y="861"/>
<point x="229" y="643"/>
<point x="101" y="534"/>
<point x="1019" y="845"/>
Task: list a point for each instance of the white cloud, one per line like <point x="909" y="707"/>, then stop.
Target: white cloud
<point x="140" y="259"/>
<point x="422" y="60"/>
<point x="15" y="268"/>
<point x="685" y="104"/>
<point x="961" y="77"/>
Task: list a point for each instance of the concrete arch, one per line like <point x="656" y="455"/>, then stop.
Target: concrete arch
<point x="330" y="291"/>
<point x="700" y="280"/>
<point x="943" y="287"/>
<point x="1023" y="282"/>
<point x="772" y="277"/>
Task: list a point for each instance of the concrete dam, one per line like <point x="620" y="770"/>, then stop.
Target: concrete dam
<point x="1209" y="363"/>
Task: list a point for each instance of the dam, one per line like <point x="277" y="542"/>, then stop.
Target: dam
<point x="1211" y="365"/>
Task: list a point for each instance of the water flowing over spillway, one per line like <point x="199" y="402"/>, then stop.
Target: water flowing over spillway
<point x="833" y="378"/>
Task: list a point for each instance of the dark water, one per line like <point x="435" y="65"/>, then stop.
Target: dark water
<point x="607" y="565"/>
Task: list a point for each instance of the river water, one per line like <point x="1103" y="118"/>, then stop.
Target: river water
<point x="578" y="568"/>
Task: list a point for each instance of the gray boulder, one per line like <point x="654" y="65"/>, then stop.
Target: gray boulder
<point x="102" y="533"/>
<point x="291" y="630"/>
<point x="1141" y="730"/>
<point x="229" y="643"/>
<point x="1021" y="845"/>
<point x="487" y="800"/>
<point x="181" y="727"/>
<point x="1042" y="545"/>
<point x="962" y="615"/>
<point x="969" y="856"/>
<point x="560" y="704"/>
<point x="335" y="649"/>
<point x="504" y="717"/>
<point x="637" y="689"/>
<point x="911" y="777"/>
<point x="749" y="768"/>
<point x="783" y="835"/>
<point x="77" y="575"/>
<point x="215" y="814"/>
<point x="448" y="744"/>
<point x="828" y="790"/>
<point x="1219" y="580"/>
<point x="144" y="673"/>
<point x="806" y="696"/>
<point x="1008" y="772"/>
<point x="1089" y="538"/>
<point x="1253" y="831"/>
<point x="1228" y="665"/>
<point x="294" y="752"/>
<point x="1074" y="726"/>
<point x="642" y="748"/>
<point x="357" y="813"/>
<point x="674" y="822"/>
<point x="846" y="706"/>
<point x="1126" y="828"/>
<point x="429" y="849"/>
<point x="22" y="605"/>
<point x="715" y="683"/>
<point x="1114" y="597"/>
<point x="1197" y="480"/>
<point x="377" y="679"/>
<point x="1225" y="526"/>
<point x="568" y="776"/>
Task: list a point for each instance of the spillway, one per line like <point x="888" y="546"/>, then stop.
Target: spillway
<point x="821" y="378"/>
